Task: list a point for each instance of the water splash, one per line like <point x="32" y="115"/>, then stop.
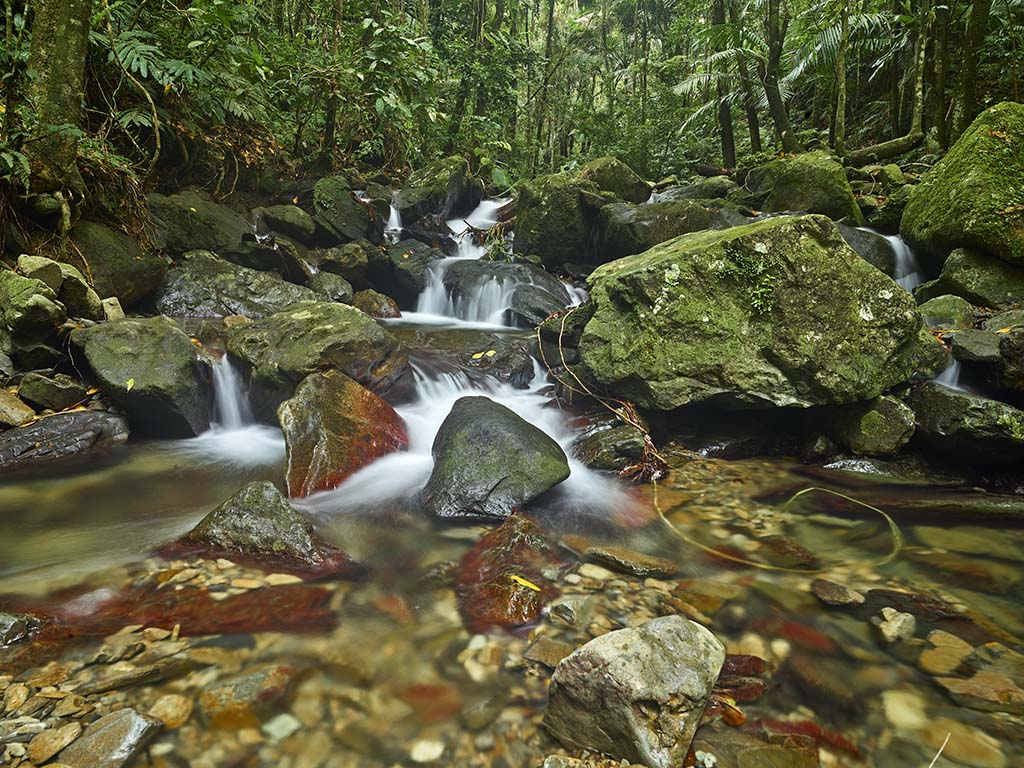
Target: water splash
<point x="950" y="377"/>
<point x="908" y="270"/>
<point x="393" y="229"/>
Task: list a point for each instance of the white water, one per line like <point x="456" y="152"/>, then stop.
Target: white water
<point x="908" y="271"/>
<point x="401" y="476"/>
<point x="393" y="229"/>
<point x="233" y="437"/>
<point x="950" y="377"/>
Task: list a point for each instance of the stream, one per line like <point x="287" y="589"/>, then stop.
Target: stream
<point x="387" y="672"/>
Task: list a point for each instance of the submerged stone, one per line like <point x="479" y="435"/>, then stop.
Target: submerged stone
<point x="334" y="427"/>
<point x="488" y="460"/>
<point x="781" y="312"/>
<point x="636" y="694"/>
<point x="246" y="700"/>
<point x="111" y="741"/>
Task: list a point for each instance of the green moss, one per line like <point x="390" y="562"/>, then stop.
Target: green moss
<point x="812" y="183"/>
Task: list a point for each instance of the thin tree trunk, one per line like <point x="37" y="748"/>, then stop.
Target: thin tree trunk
<point x="724" y="110"/>
<point x="966" y="107"/>
<point x="776" y="25"/>
<point x="941" y="61"/>
<point x="542" y="103"/>
<point x="749" y="100"/>
<point x="844" y="41"/>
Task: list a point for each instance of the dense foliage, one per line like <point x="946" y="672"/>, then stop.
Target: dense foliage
<point x="221" y="91"/>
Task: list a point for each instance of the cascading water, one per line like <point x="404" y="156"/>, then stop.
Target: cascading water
<point x="950" y="377"/>
<point x="393" y="229"/>
<point x="908" y="271"/>
<point x="401" y="475"/>
<point x="233" y="437"/>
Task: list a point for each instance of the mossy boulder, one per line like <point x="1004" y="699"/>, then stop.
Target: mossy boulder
<point x="554" y="221"/>
<point x="700" y="189"/>
<point x="148" y="367"/>
<point x="349" y="261"/>
<point x="342" y="216"/>
<point x="288" y="220"/>
<point x="444" y="187"/>
<point x="880" y="427"/>
<point x="331" y="287"/>
<point x="968" y="426"/>
<point x="278" y="253"/>
<point x="258" y="526"/>
<point x="190" y="221"/>
<point x="201" y="284"/>
<point x="282" y="349"/>
<point x="29" y="309"/>
<point x="488" y="461"/>
<point x="809" y="183"/>
<point x="973" y="345"/>
<point x="981" y="279"/>
<point x="71" y="287"/>
<point x="56" y="393"/>
<point x="951" y="312"/>
<point x="973" y="197"/>
<point x="624" y="229"/>
<point x="115" y="263"/>
<point x="780" y="312"/>
<point x="376" y="304"/>
<point x="613" y="175"/>
<point x="333" y="427"/>
<point x="1011" y="353"/>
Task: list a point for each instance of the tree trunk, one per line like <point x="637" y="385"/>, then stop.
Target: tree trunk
<point x="749" y="101"/>
<point x="915" y="135"/>
<point x="941" y="55"/>
<point x="724" y="111"/>
<point x="542" y="104"/>
<point x="60" y="40"/>
<point x="775" y="29"/>
<point x="966" y="107"/>
<point x="844" y="41"/>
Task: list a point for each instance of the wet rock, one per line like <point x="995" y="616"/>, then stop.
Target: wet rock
<point x="172" y="709"/>
<point x="48" y="743"/>
<point x="624" y="229"/>
<point x="444" y="187"/>
<point x="332" y="287"/>
<point x="981" y="279"/>
<point x="15" y="627"/>
<point x="811" y="182"/>
<point x="376" y="304"/>
<point x="896" y="626"/>
<point x="947" y="311"/>
<point x="548" y="652"/>
<point x="505" y="355"/>
<point x="334" y="427"/>
<point x="282" y="349"/>
<point x="700" y="189"/>
<point x="56" y="393"/>
<point x="191" y="221"/>
<point x="60" y="437"/>
<point x="406" y="278"/>
<point x="67" y="282"/>
<point x="871" y="247"/>
<point x="488" y="460"/>
<point x="29" y="310"/>
<point x="349" y="261"/>
<point x="148" y="367"/>
<point x="967" y="745"/>
<point x="112" y="741"/>
<point x="536" y="294"/>
<point x="1011" y="360"/>
<point x="611" y="449"/>
<point x="13" y="412"/>
<point x="723" y="317"/>
<point x="969" y="198"/>
<point x="501" y="582"/>
<point x="553" y="221"/>
<point x="967" y="425"/>
<point x="636" y="693"/>
<point x="258" y="525"/>
<point x="277" y="254"/>
<point x="612" y="175"/>
<point x="118" y="265"/>
<point x="246" y="700"/>
<point x="289" y="220"/>
<point x="975" y="346"/>
<point x="202" y="284"/>
<point x="880" y="427"/>
<point x="621" y="559"/>
<point x="831" y="593"/>
<point x="341" y="215"/>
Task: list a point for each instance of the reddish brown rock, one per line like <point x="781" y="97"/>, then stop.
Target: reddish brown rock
<point x="244" y="701"/>
<point x="500" y="581"/>
<point x="334" y="427"/>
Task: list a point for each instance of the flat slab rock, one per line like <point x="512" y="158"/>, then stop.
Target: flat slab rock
<point x="61" y="436"/>
<point x="112" y="741"/>
<point x="638" y="693"/>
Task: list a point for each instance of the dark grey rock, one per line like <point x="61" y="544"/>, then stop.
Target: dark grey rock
<point x="112" y="741"/>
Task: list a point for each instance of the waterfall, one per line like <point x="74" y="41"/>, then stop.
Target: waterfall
<point x="230" y="401"/>
<point x="908" y="271"/>
<point x="393" y="229"/>
<point x="950" y="377"/>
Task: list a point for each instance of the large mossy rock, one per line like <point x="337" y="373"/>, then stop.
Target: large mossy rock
<point x="872" y="247"/>
<point x="948" y="312"/>
<point x="444" y="187"/>
<point x="29" y="309"/>
<point x="781" y="312"/>
<point x="282" y="349"/>
<point x="116" y="263"/>
<point x="289" y="220"/>
<point x="334" y="427"/>
<point x="148" y="367"/>
<point x="613" y="175"/>
<point x="71" y="287"/>
<point x="258" y="526"/>
<point x="488" y="460"/>
<point x="968" y="426"/>
<point x="808" y="183"/>
<point x="532" y="293"/>
<point x="624" y="229"/>
<point x="974" y="197"/>
<point x="553" y="220"/>
<point x="342" y="216"/>
<point x="880" y="427"/>
<point x="201" y="284"/>
<point x="981" y="279"/>
<point x="190" y="221"/>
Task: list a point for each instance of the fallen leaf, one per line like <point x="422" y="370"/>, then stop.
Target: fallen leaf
<point x="523" y="582"/>
<point x="129" y="384"/>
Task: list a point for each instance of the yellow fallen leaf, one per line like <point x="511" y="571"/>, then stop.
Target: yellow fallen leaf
<point x="92" y="390"/>
<point x="523" y="582"/>
<point x="128" y="385"/>
<point x="1005" y="330"/>
<point x="491" y="353"/>
<point x="477" y="355"/>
